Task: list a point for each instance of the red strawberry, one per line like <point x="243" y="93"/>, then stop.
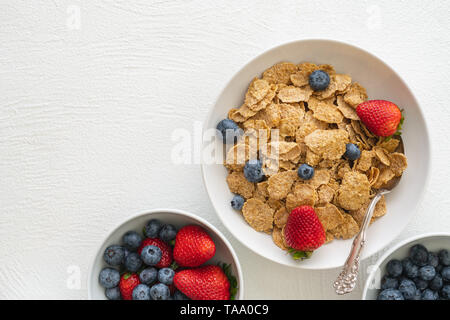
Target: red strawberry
<point x="166" y="258"/>
<point x="203" y="283"/>
<point x="303" y="232"/>
<point x="381" y="117"/>
<point x="193" y="247"/>
<point x="128" y="281"/>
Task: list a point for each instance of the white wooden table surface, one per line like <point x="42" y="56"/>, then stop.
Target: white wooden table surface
<point x="90" y="92"/>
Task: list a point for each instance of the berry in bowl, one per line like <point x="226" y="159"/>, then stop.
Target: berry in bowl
<point x="415" y="269"/>
<point x="165" y="255"/>
<point x="304" y="134"/>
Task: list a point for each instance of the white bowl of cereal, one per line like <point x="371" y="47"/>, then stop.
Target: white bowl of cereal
<point x="278" y="102"/>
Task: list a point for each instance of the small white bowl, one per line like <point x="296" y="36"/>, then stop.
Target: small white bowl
<point x="381" y="82"/>
<point x="224" y="251"/>
<point x="432" y="241"/>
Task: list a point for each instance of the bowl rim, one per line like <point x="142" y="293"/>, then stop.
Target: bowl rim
<point x="217" y="232"/>
<point x="339" y="42"/>
<point x="391" y="250"/>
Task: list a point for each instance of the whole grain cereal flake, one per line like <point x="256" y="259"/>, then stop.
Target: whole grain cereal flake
<point x="347" y="229"/>
<point x="354" y="191"/>
<point x="280" y="73"/>
<point x="355" y="95"/>
<point x="365" y="160"/>
<point x="330" y="216"/>
<point x="295" y="94"/>
<point x="346" y="109"/>
<point x="320" y="177"/>
<point x="258" y="215"/>
<point x="280" y="184"/>
<point x="386" y="175"/>
<point x="325" y="194"/>
<point x="301" y="195"/>
<point x="237" y="183"/>
<point x="326" y="112"/>
<point x="382" y="156"/>
<point x="257" y="90"/>
<point x="398" y="163"/>
<point x="329" y="144"/>
<point x="280" y="217"/>
<point x="277" y="236"/>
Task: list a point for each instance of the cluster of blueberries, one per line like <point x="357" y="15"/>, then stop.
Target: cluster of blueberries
<point x="154" y="283"/>
<point x="422" y="275"/>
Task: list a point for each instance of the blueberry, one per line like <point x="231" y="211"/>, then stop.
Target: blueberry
<point x="305" y="171"/>
<point x="125" y="254"/>
<point x="229" y="131"/>
<point x="352" y="152"/>
<point x="152" y="228"/>
<point x="237" y="202"/>
<point x="408" y="289"/>
<point x="133" y="262"/>
<point x="253" y="171"/>
<point x="390" y="294"/>
<point x="445" y="272"/>
<point x="419" y="255"/>
<point x="168" y="233"/>
<point x="420" y="284"/>
<point x="444" y="257"/>
<point x="319" y="80"/>
<point x="109" y="278"/>
<point x="445" y="292"/>
<point x="439" y="268"/>
<point x="132" y="240"/>
<point x="437" y="283"/>
<point x="417" y="295"/>
<point x="428" y="294"/>
<point x="160" y="292"/>
<point x="114" y="255"/>
<point x="410" y="269"/>
<point x="427" y="273"/>
<point x="389" y="283"/>
<point x="148" y="275"/>
<point x="433" y="259"/>
<point x="178" y="295"/>
<point x="165" y="275"/>
<point x="113" y="293"/>
<point x="141" y="292"/>
<point x="394" y="268"/>
<point x="151" y="255"/>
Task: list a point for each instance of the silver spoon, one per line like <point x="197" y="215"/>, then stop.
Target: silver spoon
<point x="346" y="280"/>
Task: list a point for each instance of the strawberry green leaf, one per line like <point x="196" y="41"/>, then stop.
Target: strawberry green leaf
<point x="174" y="265"/>
<point x="300" y="255"/>
<point x="231" y="278"/>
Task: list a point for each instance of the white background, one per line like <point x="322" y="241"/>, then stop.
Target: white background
<point x="88" y="105"/>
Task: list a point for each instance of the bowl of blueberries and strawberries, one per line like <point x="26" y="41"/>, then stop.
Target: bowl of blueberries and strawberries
<point x="165" y="255"/>
<point x="416" y="269"/>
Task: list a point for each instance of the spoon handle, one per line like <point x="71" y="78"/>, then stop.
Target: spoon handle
<point x="346" y="280"/>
